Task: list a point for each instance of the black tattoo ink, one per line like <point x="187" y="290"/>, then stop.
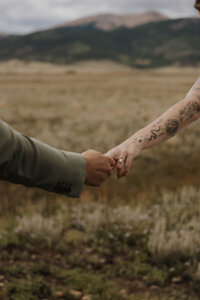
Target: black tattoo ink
<point x="154" y="134"/>
<point x="172" y="127"/>
<point x="181" y="114"/>
<point x="198" y="103"/>
<point x="140" y="139"/>
<point x="189" y="111"/>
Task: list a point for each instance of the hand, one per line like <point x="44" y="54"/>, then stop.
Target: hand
<point x="124" y="155"/>
<point x="98" y="167"/>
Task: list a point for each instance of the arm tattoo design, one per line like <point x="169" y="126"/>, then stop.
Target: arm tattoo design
<point x="138" y="139"/>
<point x="154" y="134"/>
<point x="189" y="111"/>
<point x="172" y="127"/>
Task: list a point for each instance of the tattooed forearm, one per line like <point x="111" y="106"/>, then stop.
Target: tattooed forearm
<point x="173" y="121"/>
<point x="172" y="127"/>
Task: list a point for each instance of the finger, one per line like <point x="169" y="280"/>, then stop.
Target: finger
<point x="128" y="163"/>
<point x="120" y="171"/>
<point x="123" y="171"/>
<point x="110" y="172"/>
<point x="111" y="161"/>
<point x="109" y="169"/>
<point x="122" y="159"/>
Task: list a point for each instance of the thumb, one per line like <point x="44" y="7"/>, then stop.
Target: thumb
<point x="114" y="154"/>
<point x="111" y="161"/>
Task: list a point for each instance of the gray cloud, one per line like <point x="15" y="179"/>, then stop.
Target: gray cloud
<point x="23" y="16"/>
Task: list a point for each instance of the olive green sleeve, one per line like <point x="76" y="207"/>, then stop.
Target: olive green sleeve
<point x="27" y="161"/>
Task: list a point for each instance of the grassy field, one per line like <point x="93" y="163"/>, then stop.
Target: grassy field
<point x="137" y="238"/>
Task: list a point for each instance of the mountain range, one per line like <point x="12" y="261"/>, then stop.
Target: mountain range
<point x="109" y="22"/>
<point x="134" y="41"/>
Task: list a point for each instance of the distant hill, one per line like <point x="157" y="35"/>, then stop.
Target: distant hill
<point x="150" y="45"/>
<point x="109" y="22"/>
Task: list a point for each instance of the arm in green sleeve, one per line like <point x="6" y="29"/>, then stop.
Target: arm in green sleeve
<point x="27" y="161"/>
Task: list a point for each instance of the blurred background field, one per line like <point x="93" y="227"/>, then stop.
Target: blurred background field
<point x="97" y="105"/>
<point x="137" y="238"/>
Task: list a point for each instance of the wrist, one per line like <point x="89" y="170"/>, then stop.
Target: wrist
<point x="134" y="145"/>
<point x="139" y="141"/>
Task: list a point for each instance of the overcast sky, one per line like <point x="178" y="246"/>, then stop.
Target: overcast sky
<point x="24" y="16"/>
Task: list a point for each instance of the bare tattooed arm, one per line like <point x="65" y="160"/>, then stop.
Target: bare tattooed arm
<point x="166" y="126"/>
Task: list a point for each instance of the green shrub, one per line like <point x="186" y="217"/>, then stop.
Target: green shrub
<point x="28" y="290"/>
<point x="41" y="268"/>
<point x="88" y="282"/>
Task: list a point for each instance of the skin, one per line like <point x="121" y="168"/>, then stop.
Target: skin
<point x="165" y="127"/>
<point x="98" y="167"/>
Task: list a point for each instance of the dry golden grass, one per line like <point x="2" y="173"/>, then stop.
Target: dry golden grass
<point x="98" y="105"/>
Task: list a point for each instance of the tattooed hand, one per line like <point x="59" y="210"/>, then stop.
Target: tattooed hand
<point x="124" y="155"/>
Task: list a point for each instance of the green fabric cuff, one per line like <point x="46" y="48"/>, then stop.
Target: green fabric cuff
<point x="75" y="172"/>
